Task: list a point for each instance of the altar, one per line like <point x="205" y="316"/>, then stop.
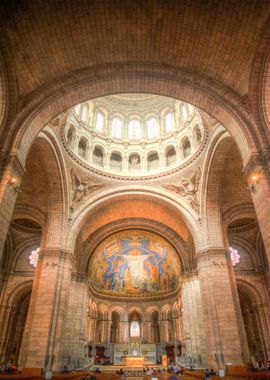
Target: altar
<point x="134" y="361"/>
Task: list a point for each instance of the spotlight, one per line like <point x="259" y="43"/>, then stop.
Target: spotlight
<point x="253" y="183"/>
<point x="13" y="184"/>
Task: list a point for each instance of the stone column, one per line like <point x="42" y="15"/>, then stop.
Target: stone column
<point x="163" y="329"/>
<point x="10" y="168"/>
<point x="193" y="327"/>
<point x="260" y="192"/>
<point x="221" y="329"/>
<point x="74" y="336"/>
<point x="6" y="312"/>
<point x="41" y="345"/>
<point x="124" y="333"/>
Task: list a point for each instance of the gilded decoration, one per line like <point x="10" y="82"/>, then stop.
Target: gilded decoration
<point x="135" y="263"/>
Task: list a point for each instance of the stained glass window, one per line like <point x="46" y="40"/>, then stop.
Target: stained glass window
<point x="33" y="257"/>
<point x="135" y="329"/>
<point x="235" y="257"/>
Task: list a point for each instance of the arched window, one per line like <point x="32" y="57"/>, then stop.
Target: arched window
<point x="169" y="127"/>
<point x="134" y="130"/>
<point x="170" y="156"/>
<point x="184" y="112"/>
<point x="197" y="136"/>
<point x="135" y="331"/>
<point x="153" y="161"/>
<point x="152" y="130"/>
<point x="117" y="128"/>
<point x="71" y="136"/>
<point x="186" y="147"/>
<point x="100" y="120"/>
<point x="98" y="156"/>
<point x="83" y="145"/>
<point x="116" y="161"/>
<point x="85" y="113"/>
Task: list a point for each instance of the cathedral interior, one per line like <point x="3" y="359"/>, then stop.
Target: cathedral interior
<point x="134" y="182"/>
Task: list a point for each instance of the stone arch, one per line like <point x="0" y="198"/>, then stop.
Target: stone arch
<point x="211" y="182"/>
<point x="81" y="214"/>
<point x="154" y="226"/>
<point x="118" y="309"/>
<point x="30" y="244"/>
<point x="29" y="212"/>
<point x="259" y="84"/>
<point x="246" y="247"/>
<point x="10" y="319"/>
<point x="254" y="318"/>
<point x="210" y="97"/>
<point x="55" y="170"/>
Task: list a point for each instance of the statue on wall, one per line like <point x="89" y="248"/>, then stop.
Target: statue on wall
<point x="81" y="188"/>
<point x="188" y="189"/>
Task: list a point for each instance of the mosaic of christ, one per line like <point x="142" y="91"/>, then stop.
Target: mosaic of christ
<point x="135" y="262"/>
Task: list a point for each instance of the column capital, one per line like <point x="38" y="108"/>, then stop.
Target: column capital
<point x="257" y="161"/>
<point x="11" y="160"/>
<point x="216" y="257"/>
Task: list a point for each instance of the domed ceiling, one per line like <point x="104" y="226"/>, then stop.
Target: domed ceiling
<point x="133" y="134"/>
<point x="134" y="263"/>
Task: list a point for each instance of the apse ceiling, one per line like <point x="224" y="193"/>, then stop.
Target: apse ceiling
<point x="134" y="263"/>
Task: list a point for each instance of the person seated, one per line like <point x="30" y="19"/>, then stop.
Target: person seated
<point x="97" y="370"/>
<point x="212" y="372"/>
<point x="172" y="377"/>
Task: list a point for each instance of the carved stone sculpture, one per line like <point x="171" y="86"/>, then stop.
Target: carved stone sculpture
<point x="188" y="189"/>
<point x="81" y="189"/>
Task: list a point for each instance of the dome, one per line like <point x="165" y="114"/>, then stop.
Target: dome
<point x="134" y="263"/>
<point x="133" y="134"/>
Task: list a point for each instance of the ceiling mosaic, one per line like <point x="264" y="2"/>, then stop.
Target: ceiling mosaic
<point x="134" y="263"/>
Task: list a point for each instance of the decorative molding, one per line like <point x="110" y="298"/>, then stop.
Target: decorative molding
<point x="188" y="189"/>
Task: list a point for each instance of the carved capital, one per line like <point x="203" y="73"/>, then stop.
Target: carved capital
<point x="257" y="162"/>
<point x="214" y="258"/>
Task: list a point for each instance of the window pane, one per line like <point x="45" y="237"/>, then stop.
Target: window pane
<point x="77" y="109"/>
<point x="184" y="112"/>
<point x="117" y="128"/>
<point x="85" y="113"/>
<point x="100" y="122"/>
<point x="134" y="130"/>
<point x="169" y="122"/>
<point x="152" y="128"/>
